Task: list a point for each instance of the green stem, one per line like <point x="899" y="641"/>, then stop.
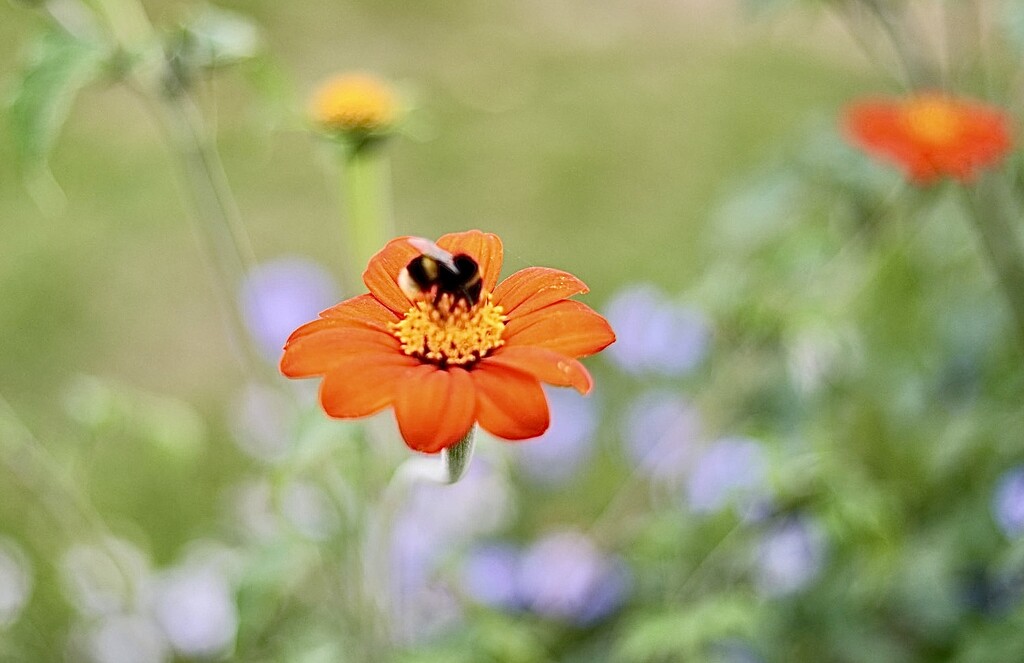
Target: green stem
<point x="456" y="457"/>
<point x="31" y="465"/>
<point x="365" y="184"/>
<point x="964" y="45"/>
<point x="127" y="21"/>
<point x="447" y="469"/>
<point x="131" y="29"/>
<point x="918" y="73"/>
<point x="846" y="13"/>
<point x="996" y="216"/>
<point x="368" y="623"/>
<point x="218" y="221"/>
<point x="208" y="184"/>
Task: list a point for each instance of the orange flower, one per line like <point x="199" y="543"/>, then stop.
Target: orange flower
<point x="444" y="364"/>
<point x="930" y="135"/>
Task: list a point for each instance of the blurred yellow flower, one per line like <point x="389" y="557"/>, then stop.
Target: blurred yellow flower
<point x="355" y="103"/>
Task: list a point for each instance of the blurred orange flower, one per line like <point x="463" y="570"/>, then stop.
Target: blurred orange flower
<point x="355" y="103"/>
<point x="445" y="363"/>
<point x="931" y="135"/>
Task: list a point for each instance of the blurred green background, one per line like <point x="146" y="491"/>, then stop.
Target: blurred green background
<point x="624" y="142"/>
<point x="564" y="129"/>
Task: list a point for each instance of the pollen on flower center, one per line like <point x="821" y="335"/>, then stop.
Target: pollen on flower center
<point x="933" y="120"/>
<point x="449" y="331"/>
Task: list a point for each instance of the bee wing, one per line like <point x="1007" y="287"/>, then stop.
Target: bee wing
<point x="432" y="250"/>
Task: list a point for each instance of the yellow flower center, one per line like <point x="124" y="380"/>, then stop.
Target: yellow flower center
<point x="355" y="103"/>
<point x="449" y="331"/>
<point x="933" y="120"/>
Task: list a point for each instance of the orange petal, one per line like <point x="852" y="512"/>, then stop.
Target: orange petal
<point x="545" y="365"/>
<point x="362" y="385"/>
<point x="315" y="326"/>
<point x="363" y="307"/>
<point x="568" y="327"/>
<point x="509" y="403"/>
<point x="362" y="312"/>
<point x="315" y="353"/>
<point x="434" y="408"/>
<point x="872" y="121"/>
<point x="536" y="287"/>
<point x="483" y="247"/>
<point x="381" y="275"/>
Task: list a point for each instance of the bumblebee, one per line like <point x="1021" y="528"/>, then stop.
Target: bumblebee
<point x="436" y="272"/>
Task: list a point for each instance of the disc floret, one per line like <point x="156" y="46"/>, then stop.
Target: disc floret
<point x="449" y="331"/>
<point x="933" y="120"/>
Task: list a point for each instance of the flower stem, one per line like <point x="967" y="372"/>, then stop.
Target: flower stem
<point x="28" y="462"/>
<point x="380" y="587"/>
<point x="209" y="181"/>
<point x="217" y="219"/>
<point x="456" y="457"/>
<point x="364" y="181"/>
<point x="126" y="21"/>
<point x="918" y="72"/>
<point x="995" y="213"/>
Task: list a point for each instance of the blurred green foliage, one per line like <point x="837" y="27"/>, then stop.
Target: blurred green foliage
<point x="857" y="331"/>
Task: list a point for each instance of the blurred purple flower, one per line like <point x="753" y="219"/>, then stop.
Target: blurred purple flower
<point x="437" y="517"/>
<point x="435" y="522"/>
<point x="609" y="594"/>
<point x="655" y="334"/>
<point x="309" y="510"/>
<point x="559" y="453"/>
<point x="105" y="577"/>
<point x="434" y="609"/>
<point x="261" y="420"/>
<point x="195" y="607"/>
<point x="790" y="556"/>
<point x="279" y="295"/>
<point x="421" y="603"/>
<point x="251" y="508"/>
<point x="489" y="575"/>
<point x="564" y="576"/>
<point x="660" y="430"/>
<point x="1008" y="502"/>
<point x="15" y="581"/>
<point x="731" y="470"/>
<point x="125" y="639"/>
